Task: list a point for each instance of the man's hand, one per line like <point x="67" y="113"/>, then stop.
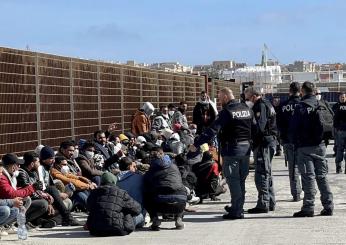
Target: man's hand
<point x="38" y="185"/>
<point x="18" y="202"/>
<point x="94" y="184"/>
<point x="50" y="210"/>
<point x="63" y="196"/>
<point x="50" y="199"/>
<point x="192" y="148"/>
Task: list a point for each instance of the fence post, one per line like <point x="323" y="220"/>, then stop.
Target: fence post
<point x="158" y="89"/>
<point x="99" y="95"/>
<point x="71" y="100"/>
<point x="141" y="86"/>
<point x="122" y="99"/>
<point x="38" y="109"/>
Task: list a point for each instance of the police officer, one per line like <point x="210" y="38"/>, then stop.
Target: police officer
<point x="312" y="164"/>
<point x="233" y="126"/>
<point x="264" y="144"/>
<point x="340" y="131"/>
<point x="284" y="118"/>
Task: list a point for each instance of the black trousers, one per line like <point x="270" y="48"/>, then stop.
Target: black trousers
<point x="160" y="208"/>
<point x="38" y="208"/>
<point x="58" y="202"/>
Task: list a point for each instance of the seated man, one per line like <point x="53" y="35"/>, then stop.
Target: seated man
<point x="67" y="150"/>
<point x="131" y="182"/>
<point x="164" y="192"/>
<point x="27" y="176"/>
<point x="61" y="172"/>
<point x="86" y="162"/>
<point x="47" y="159"/>
<point x="9" y="190"/>
<point x="8" y="210"/>
<point x="111" y="210"/>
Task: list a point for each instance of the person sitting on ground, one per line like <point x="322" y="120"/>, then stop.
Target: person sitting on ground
<point x="61" y="172"/>
<point x="86" y="162"/>
<point x="161" y="119"/>
<point x="164" y="192"/>
<point x="8" y="211"/>
<point x="111" y="209"/>
<point x="101" y="145"/>
<point x="9" y="189"/>
<point x="132" y="182"/>
<point x="67" y="150"/>
<point x="179" y="116"/>
<point x="28" y="175"/>
<point x="47" y="160"/>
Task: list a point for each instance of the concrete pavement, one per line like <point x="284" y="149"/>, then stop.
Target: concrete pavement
<point x="207" y="227"/>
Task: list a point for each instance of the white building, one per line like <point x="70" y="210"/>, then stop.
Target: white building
<point x="265" y="78"/>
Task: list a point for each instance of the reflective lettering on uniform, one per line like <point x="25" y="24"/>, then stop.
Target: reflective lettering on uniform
<point x="343" y="107"/>
<point x="289" y="108"/>
<point x="309" y="109"/>
<point x="240" y="114"/>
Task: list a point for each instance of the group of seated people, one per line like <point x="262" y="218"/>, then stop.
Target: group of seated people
<point x="117" y="180"/>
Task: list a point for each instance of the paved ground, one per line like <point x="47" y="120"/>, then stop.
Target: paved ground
<point x="207" y="227"/>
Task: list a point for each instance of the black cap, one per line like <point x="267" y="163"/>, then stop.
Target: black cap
<point x="10" y="158"/>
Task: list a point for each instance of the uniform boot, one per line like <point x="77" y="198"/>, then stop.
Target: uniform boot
<point x="303" y="214"/>
<point x="179" y="223"/>
<point x="327" y="212"/>
<point x="156" y="224"/>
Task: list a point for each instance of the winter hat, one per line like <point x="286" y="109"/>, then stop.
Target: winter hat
<point x="161" y="162"/>
<point x="175" y="136"/>
<point x="167" y="133"/>
<point x="176" y="127"/>
<point x="140" y="140"/>
<point x="108" y="179"/>
<point x="123" y="137"/>
<point x="81" y="143"/>
<point x="46" y="153"/>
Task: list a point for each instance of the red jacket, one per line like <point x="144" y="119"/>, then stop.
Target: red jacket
<point x="8" y="192"/>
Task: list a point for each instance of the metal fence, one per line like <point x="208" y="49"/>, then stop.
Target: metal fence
<point x="45" y="99"/>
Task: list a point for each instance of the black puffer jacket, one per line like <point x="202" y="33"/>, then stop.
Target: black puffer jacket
<point x="111" y="212"/>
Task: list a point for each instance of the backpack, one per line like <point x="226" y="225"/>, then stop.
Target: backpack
<point x="322" y="120"/>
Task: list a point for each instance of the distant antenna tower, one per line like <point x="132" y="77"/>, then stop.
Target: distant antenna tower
<point x="264" y="56"/>
<point x="27" y="47"/>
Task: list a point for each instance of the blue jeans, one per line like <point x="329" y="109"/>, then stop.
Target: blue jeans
<point x="235" y="169"/>
<point x="81" y="198"/>
<point x="313" y="165"/>
<point x="263" y="157"/>
<point x="8" y="215"/>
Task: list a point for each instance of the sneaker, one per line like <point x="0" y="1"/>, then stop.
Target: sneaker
<point x="155" y="226"/>
<point x="327" y="212"/>
<point x="232" y="216"/>
<point x="194" y="200"/>
<point x="228" y="209"/>
<point x="339" y="170"/>
<point x="303" y="214"/>
<point x="215" y="199"/>
<point x="48" y="223"/>
<point x="70" y="221"/>
<point x="11" y="229"/>
<point x="257" y="210"/>
<point x="179" y="225"/>
<point x="3" y="232"/>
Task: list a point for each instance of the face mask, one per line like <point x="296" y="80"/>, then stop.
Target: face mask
<point x="318" y="97"/>
<point x="193" y="131"/>
<point x="159" y="142"/>
<point x="89" y="154"/>
<point x="15" y="174"/>
<point x="75" y="154"/>
<point x="170" y="113"/>
<point x="250" y="104"/>
<point x="65" y="169"/>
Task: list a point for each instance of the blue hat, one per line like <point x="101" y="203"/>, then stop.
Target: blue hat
<point x="46" y="153"/>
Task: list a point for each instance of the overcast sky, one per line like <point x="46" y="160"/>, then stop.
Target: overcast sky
<point x="188" y="31"/>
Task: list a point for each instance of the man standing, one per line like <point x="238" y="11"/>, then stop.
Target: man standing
<point x="264" y="144"/>
<point x="311" y="151"/>
<point x="233" y="126"/>
<point x="340" y="131"/>
<point x="285" y="114"/>
<point x="141" y="121"/>
<point x="204" y="113"/>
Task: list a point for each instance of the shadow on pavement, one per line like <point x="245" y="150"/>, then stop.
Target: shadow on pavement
<point x="73" y="234"/>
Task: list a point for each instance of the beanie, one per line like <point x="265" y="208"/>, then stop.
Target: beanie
<point x="123" y="137"/>
<point x="46" y="153"/>
<point x="108" y="179"/>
